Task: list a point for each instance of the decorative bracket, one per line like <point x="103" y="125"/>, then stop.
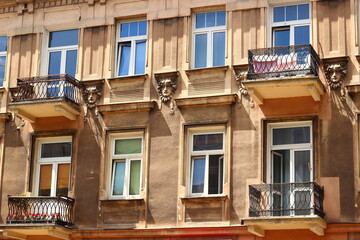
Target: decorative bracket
<point x="25" y="7"/>
<point x="92" y="93"/>
<point x="241" y="75"/>
<point x="335" y="73"/>
<point x="92" y="2"/>
<point x="166" y="86"/>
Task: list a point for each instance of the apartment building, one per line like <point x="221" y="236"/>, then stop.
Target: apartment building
<point x="179" y="119"/>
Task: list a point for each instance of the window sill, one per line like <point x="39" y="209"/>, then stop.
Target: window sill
<point x="140" y="106"/>
<point x="196" y="71"/>
<point x="124" y="200"/>
<point x="202" y="101"/>
<point x="218" y="198"/>
<point x="129" y="78"/>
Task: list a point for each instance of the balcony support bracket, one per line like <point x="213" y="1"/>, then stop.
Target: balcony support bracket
<point x="65" y="112"/>
<point x="317" y="230"/>
<point x="16" y="235"/>
<point x="256" y="96"/>
<point x="314" y="93"/>
<point x="59" y="234"/>
<point x="256" y="230"/>
<point x="24" y="115"/>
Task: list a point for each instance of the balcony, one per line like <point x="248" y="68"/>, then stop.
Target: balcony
<point x="283" y="72"/>
<point x="46" y="96"/>
<point x="51" y="216"/>
<point x="285" y="206"/>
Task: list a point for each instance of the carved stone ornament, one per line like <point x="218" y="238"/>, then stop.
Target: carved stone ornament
<point x="92" y="95"/>
<point x="166" y="88"/>
<point x="335" y="74"/>
<point x="240" y="77"/>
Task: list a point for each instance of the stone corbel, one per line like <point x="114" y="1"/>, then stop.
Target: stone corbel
<point x="92" y="2"/>
<point x="23" y="7"/>
<point x="240" y="77"/>
<point x="92" y="91"/>
<point x="335" y="73"/>
<point x="166" y="86"/>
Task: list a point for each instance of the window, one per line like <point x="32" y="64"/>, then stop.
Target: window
<point x="3" y="50"/>
<point x="62" y="52"/>
<point x="291" y="25"/>
<point x="126" y="165"/>
<point x="207" y="163"/>
<point x="131" y="48"/>
<point x="53" y="166"/>
<point x="290" y="153"/>
<point x="209" y="39"/>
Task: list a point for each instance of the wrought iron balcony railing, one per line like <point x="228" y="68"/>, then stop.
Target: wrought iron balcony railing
<point x="60" y="86"/>
<point x="298" y="60"/>
<point x="58" y="210"/>
<point x="286" y="199"/>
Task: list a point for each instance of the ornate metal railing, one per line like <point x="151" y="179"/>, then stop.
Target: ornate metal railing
<point x="57" y="210"/>
<point x="286" y="199"/>
<point x="60" y="86"/>
<point x="298" y="60"/>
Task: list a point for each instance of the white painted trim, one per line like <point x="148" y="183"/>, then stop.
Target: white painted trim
<point x="127" y="158"/>
<point x="49" y="161"/>
<point x="209" y="31"/>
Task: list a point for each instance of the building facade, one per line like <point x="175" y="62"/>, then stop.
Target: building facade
<point x="169" y="119"/>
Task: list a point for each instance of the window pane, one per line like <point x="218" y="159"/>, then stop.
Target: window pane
<point x="124" y="29"/>
<point x="70" y="67"/>
<point x="140" y="57"/>
<point x="282" y="38"/>
<point x="279" y="14"/>
<point x="302" y="35"/>
<point x="215" y="174"/>
<point x="291" y="13"/>
<point x="119" y="177"/>
<point x="3" y="44"/>
<point x="200" y="50"/>
<point x="50" y="150"/>
<point x="135" y="169"/>
<point x="303" y="11"/>
<point x="134" y="28"/>
<point x="219" y="49"/>
<point x="128" y="146"/>
<point x="198" y="176"/>
<point x="62" y="186"/>
<point x="200" y="20"/>
<point x="293" y="135"/>
<point x="142" y="28"/>
<point x="2" y="70"/>
<point x="210" y="19"/>
<point x="54" y="63"/>
<point x="302" y="166"/>
<point x="63" y="38"/>
<point x="45" y="180"/>
<point x="125" y="49"/>
<point x="220" y="18"/>
<point x="208" y="142"/>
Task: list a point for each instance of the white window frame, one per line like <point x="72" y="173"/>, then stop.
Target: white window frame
<point x="209" y="31"/>
<point x="63" y="50"/>
<point x="127" y="158"/>
<point x="287" y="24"/>
<point x="291" y="147"/>
<point x="50" y="161"/>
<point x="193" y="154"/>
<point x="4" y="54"/>
<point x="133" y="40"/>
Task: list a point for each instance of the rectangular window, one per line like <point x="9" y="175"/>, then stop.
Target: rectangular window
<point x="3" y="51"/>
<point x="53" y="166"/>
<point x="126" y="165"/>
<point x="209" y="39"/>
<point x="291" y="25"/>
<point x="131" y="48"/>
<point x="207" y="163"/>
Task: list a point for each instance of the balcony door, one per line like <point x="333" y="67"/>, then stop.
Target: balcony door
<point x="53" y="166"/>
<point x="291" y="166"/>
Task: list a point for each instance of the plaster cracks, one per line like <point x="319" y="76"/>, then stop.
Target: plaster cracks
<point x="166" y="86"/>
<point x="335" y="76"/>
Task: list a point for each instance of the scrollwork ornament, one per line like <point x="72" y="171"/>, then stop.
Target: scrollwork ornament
<point x="240" y="77"/>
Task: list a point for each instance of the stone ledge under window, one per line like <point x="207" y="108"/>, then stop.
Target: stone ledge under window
<point x="205" y="101"/>
<point x="195" y="71"/>
<point x="129" y="78"/>
<point x="143" y="106"/>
